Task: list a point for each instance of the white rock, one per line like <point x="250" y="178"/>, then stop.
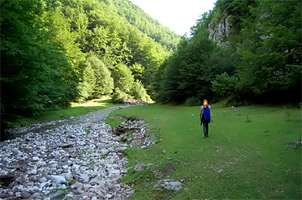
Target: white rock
<point x="35" y="158"/>
<point x="170" y="184"/>
<point x="58" y="179"/>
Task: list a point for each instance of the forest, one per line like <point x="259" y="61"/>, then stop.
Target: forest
<point x="243" y="51"/>
<point x="55" y="52"/>
<point x="101" y="101"/>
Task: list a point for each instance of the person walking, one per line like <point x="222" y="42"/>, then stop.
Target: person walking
<point x="205" y="117"/>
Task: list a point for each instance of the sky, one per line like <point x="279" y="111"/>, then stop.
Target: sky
<point x="178" y="15"/>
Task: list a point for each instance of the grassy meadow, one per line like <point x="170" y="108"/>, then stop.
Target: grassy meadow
<point x="251" y="153"/>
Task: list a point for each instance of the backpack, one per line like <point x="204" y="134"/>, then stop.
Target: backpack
<point x="206" y="115"/>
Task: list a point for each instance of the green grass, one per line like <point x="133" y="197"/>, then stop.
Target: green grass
<point x="247" y="155"/>
<point x="75" y="109"/>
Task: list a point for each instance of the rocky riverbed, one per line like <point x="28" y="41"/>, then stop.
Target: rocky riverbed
<point x="75" y="158"/>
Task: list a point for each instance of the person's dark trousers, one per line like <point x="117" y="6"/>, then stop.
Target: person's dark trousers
<point x="205" y="129"/>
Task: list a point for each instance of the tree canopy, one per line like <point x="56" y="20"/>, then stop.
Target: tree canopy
<point x="243" y="50"/>
<point x="54" y="52"/>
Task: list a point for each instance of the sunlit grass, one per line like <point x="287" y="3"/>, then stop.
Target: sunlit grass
<point x="249" y="154"/>
<point x="104" y="101"/>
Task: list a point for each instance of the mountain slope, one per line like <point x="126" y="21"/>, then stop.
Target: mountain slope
<point x="151" y="27"/>
<point x="54" y="52"/>
<point x="248" y="51"/>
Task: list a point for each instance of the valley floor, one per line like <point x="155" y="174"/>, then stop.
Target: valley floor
<point x="252" y="152"/>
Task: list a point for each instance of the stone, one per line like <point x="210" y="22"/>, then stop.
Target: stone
<point x="77" y="188"/>
<point x="170" y="184"/>
<point x="139" y="167"/>
<point x="33" y="172"/>
<point x="25" y="194"/>
<point x="18" y="194"/>
<point x="36" y="196"/>
<point x="43" y="179"/>
<point x="58" y="179"/>
<point x="4" y="195"/>
<point x="35" y="158"/>
<point x="48" y="157"/>
<point x="84" y="178"/>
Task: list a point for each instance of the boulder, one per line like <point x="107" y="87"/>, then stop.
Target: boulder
<point x="170" y="184"/>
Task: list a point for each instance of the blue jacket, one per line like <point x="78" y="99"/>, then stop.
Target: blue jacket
<point x="205" y="114"/>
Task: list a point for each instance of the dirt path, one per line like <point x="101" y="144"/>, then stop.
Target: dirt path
<point x="75" y="158"/>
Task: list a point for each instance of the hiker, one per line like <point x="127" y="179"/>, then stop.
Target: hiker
<point x="205" y="117"/>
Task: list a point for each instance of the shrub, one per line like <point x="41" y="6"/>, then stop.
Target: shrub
<point x="120" y="96"/>
<point x="139" y="92"/>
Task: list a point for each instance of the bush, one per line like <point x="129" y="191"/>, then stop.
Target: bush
<point x="139" y="92"/>
<point x="120" y="96"/>
<point x="192" y="101"/>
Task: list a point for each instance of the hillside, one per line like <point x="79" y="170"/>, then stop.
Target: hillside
<point x="151" y="27"/>
<point x="54" y="52"/>
<point x="243" y="51"/>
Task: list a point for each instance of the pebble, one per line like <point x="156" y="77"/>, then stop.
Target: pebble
<point x="58" y="179"/>
<point x="59" y="158"/>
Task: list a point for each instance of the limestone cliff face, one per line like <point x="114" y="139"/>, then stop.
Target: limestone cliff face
<point x="219" y="31"/>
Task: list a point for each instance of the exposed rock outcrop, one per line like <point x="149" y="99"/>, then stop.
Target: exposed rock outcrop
<point x="219" y="31"/>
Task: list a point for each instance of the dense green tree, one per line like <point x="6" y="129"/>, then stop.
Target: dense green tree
<point x="255" y="56"/>
<point x="123" y="78"/>
<point x="103" y="80"/>
<point x="35" y="69"/>
<point x="114" y="39"/>
<point x="88" y="84"/>
<point x="225" y="85"/>
<point x="189" y="72"/>
<point x="47" y="47"/>
<point x="137" y="71"/>
<point x="270" y="66"/>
